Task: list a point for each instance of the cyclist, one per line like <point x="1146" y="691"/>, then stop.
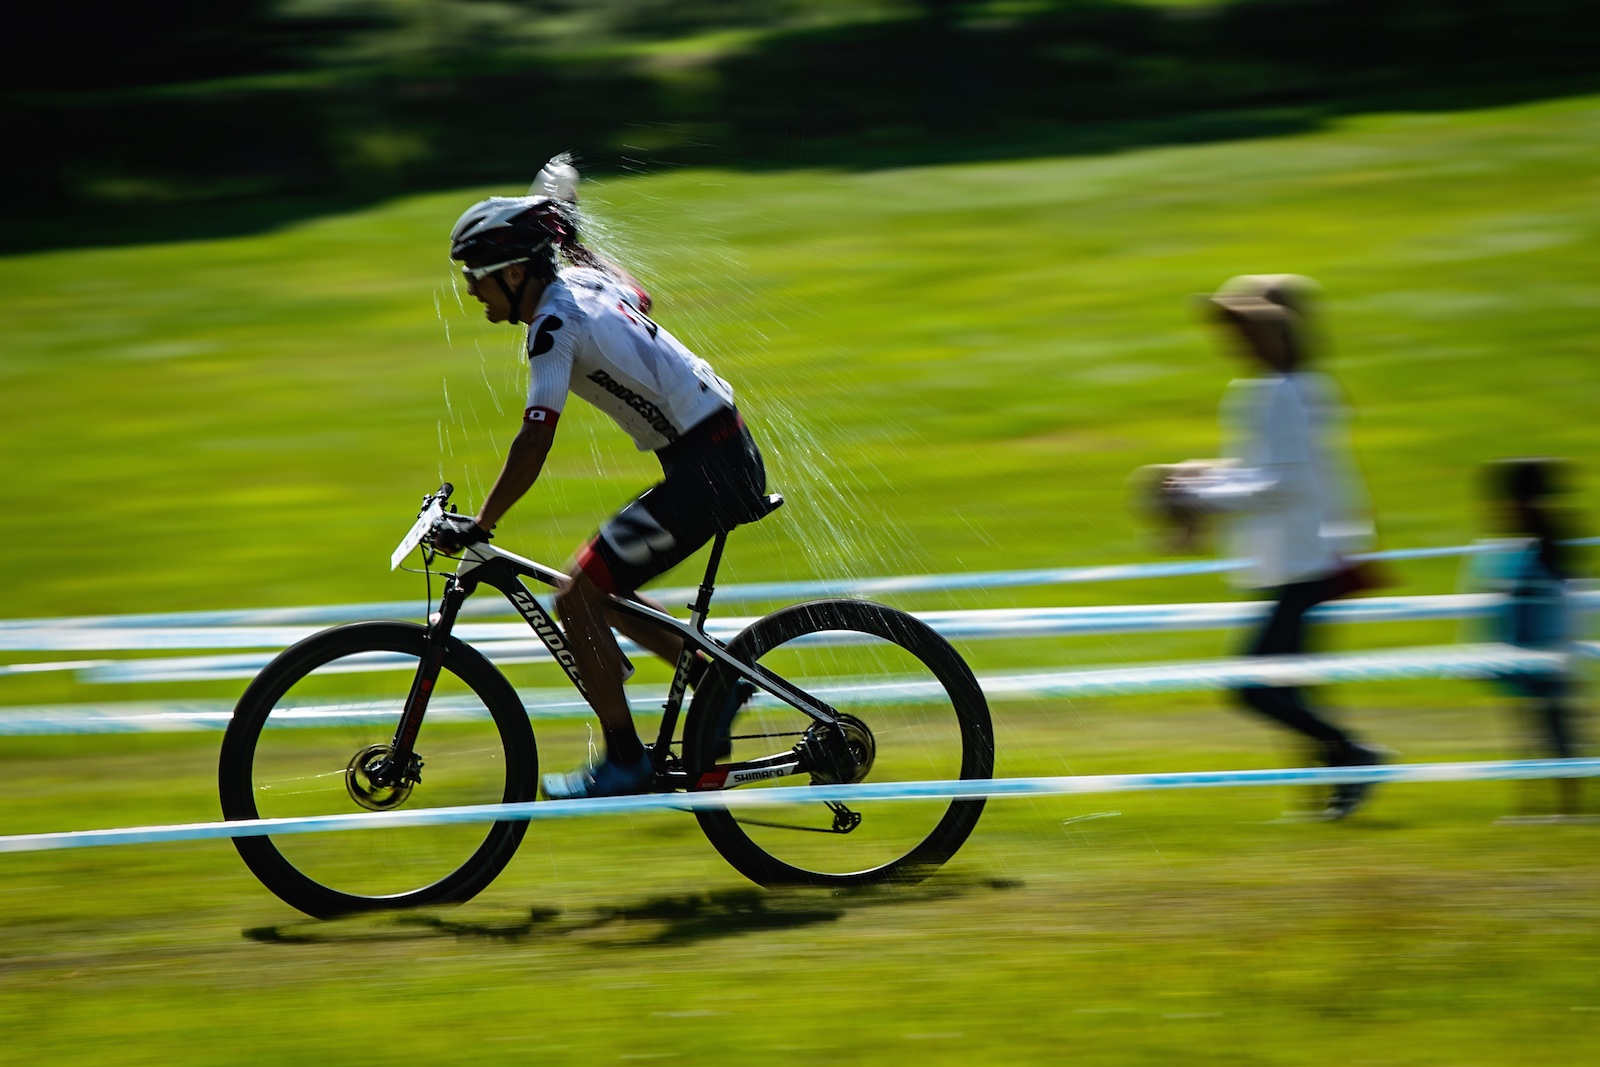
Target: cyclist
<point x="588" y="333"/>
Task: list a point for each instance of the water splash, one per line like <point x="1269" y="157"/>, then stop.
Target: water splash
<point x="837" y="522"/>
<point x="839" y="516"/>
<point x="438" y="313"/>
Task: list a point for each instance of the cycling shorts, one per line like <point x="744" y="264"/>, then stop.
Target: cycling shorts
<point x="713" y="479"/>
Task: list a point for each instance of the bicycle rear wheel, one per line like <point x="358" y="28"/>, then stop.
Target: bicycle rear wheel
<point x="318" y="714"/>
<point x="914" y="711"/>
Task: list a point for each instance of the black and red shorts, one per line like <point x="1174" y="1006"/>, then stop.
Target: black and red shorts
<point x="713" y="479"/>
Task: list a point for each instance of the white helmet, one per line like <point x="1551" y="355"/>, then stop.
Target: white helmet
<point x="512" y="229"/>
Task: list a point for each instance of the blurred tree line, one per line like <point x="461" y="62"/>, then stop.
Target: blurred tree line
<point x="122" y="109"/>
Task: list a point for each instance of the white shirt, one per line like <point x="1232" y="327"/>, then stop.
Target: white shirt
<point x="1295" y="498"/>
<point x="589" y="337"/>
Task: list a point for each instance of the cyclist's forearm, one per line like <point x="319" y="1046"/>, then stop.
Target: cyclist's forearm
<point x="524" y="462"/>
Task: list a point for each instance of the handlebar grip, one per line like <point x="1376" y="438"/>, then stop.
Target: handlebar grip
<point x="445" y="489"/>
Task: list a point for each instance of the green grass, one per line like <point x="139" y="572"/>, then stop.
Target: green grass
<point x="1186" y="926"/>
<point x="949" y="368"/>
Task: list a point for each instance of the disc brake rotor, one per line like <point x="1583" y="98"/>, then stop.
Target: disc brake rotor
<point x="835" y="767"/>
<point x="373" y="781"/>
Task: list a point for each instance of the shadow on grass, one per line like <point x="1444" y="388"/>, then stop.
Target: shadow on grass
<point x="682" y="919"/>
<point x="387" y="927"/>
<point x="97" y="225"/>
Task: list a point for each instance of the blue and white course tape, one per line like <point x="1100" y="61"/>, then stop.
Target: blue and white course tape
<point x="747" y="799"/>
<point x="490" y="606"/>
<point x="1443" y="661"/>
<point x="512" y="642"/>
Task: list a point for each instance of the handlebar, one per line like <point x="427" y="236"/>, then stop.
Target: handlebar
<point x="443" y="495"/>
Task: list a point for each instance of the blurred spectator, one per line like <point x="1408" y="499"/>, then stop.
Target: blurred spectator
<point x="1295" y="502"/>
<point x="1531" y="567"/>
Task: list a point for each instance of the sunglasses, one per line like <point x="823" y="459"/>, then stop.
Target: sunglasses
<point x="477" y="274"/>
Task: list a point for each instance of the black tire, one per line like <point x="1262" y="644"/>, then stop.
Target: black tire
<point x="302" y="720"/>
<point x="878" y="641"/>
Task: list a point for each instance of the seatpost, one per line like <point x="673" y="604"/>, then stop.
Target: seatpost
<point x="702" y="600"/>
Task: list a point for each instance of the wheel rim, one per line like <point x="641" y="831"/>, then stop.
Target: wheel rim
<point x="901" y="718"/>
<point x="314" y="753"/>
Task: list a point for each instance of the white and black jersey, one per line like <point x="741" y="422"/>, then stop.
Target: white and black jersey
<point x="589" y="337"/>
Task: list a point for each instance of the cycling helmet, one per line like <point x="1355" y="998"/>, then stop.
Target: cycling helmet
<point x="513" y="229"/>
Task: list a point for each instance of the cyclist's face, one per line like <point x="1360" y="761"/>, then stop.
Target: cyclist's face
<point x="488" y="292"/>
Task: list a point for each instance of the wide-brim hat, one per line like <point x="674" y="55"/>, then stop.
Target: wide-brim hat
<point x="1267" y="295"/>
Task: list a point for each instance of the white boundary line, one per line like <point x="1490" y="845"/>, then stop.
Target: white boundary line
<point x="1500" y="770"/>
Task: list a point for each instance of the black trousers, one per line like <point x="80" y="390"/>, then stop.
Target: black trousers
<point x="1548" y="698"/>
<point x="1284" y="634"/>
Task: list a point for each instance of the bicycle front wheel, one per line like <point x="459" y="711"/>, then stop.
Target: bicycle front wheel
<point x="309" y="726"/>
<point x="912" y="712"/>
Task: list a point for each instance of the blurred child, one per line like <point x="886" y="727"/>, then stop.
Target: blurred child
<point x="1296" y="506"/>
<point x="1532" y="568"/>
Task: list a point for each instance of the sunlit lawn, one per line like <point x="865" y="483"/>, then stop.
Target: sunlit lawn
<point x="1193" y="926"/>
<point x="950" y="368"/>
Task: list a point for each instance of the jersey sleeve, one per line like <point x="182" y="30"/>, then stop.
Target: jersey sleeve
<point x="552" y="351"/>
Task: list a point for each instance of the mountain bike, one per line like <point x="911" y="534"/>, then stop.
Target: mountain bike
<point x="379" y="716"/>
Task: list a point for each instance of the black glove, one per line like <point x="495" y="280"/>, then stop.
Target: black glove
<point x="451" y="533"/>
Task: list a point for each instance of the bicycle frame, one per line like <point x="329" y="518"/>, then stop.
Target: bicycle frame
<point x="483" y="564"/>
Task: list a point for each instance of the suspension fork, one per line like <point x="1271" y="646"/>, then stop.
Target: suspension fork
<point x="440" y="623"/>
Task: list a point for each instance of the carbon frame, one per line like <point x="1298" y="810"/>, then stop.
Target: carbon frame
<point x="483" y="564"/>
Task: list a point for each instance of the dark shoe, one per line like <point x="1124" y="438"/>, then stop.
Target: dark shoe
<point x="1347" y="798"/>
<point x="604" y="779"/>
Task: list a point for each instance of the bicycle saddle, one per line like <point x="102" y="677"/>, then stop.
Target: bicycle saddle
<point x="761" y="509"/>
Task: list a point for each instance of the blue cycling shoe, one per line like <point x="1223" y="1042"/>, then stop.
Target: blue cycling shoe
<point x="608" y="778"/>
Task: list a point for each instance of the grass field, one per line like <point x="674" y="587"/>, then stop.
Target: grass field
<point x="950" y="368"/>
<point x="1186" y="927"/>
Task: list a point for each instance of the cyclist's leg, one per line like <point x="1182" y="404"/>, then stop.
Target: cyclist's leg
<point x="714" y="480"/>
<point x="653" y="534"/>
<point x="633" y="547"/>
<point x="582" y="606"/>
<point x="663" y="643"/>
